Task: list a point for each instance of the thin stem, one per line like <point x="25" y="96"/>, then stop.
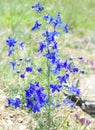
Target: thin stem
<point x="48" y="89"/>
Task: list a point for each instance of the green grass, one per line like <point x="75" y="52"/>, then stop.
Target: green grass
<point x="18" y="16"/>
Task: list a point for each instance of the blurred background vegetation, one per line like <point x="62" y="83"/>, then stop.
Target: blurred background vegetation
<point x="18" y="15"/>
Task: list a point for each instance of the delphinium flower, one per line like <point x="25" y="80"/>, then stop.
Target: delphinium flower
<point x="63" y="78"/>
<point x="39" y="70"/>
<point x="22" y="76"/>
<point x="29" y="69"/>
<point x="36" y="26"/>
<point x="11" y="42"/>
<point x="41" y="47"/>
<point x="55" y="87"/>
<point x="21" y="45"/>
<point x="35" y="97"/>
<point x="13" y="65"/>
<point x="54" y="21"/>
<point x="14" y="102"/>
<point x="69" y="102"/>
<point x="51" y="56"/>
<point x="66" y="28"/>
<point x="38" y="7"/>
<point x="74" y="90"/>
<point x="58" y="21"/>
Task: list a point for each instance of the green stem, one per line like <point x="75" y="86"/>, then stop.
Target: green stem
<point x="48" y="89"/>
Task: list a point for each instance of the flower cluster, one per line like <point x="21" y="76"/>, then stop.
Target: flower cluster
<point x="35" y="97"/>
<point x="14" y="102"/>
<point x="38" y="7"/>
<point x="11" y="43"/>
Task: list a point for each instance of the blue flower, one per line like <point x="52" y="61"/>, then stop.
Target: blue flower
<point x="51" y="56"/>
<point x="50" y="36"/>
<point x="22" y="76"/>
<point x="68" y="101"/>
<point x="64" y="64"/>
<point x="21" y="45"/>
<point x="29" y="69"/>
<point x="11" y="42"/>
<point x="74" y="90"/>
<point x="66" y="28"/>
<point x="35" y="97"/>
<point x="13" y="65"/>
<point x="10" y="51"/>
<point x="82" y="72"/>
<point x="39" y="70"/>
<point x="29" y="103"/>
<point x="58" y="21"/>
<point x="63" y="79"/>
<point x="36" y="26"/>
<point x="14" y="102"/>
<point x="58" y="104"/>
<point x="51" y="20"/>
<point x="38" y="7"/>
<point x="58" y="66"/>
<point x="55" y="87"/>
<point x="75" y="69"/>
<point x="54" y="46"/>
<point x="42" y="47"/>
<point x="46" y="17"/>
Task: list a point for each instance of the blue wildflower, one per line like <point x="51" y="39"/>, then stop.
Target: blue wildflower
<point x="55" y="87"/>
<point x="13" y="65"/>
<point x="10" y="51"/>
<point x="63" y="79"/>
<point x="74" y="90"/>
<point x="68" y="101"/>
<point x="42" y="47"/>
<point x="82" y="72"/>
<point x="58" y="21"/>
<point x="39" y="70"/>
<point x="66" y="28"/>
<point x="35" y="97"/>
<point x="21" y="45"/>
<point x="58" y="66"/>
<point x="58" y="104"/>
<point x="29" y="69"/>
<point x="46" y="17"/>
<point x="51" y="20"/>
<point x="22" y="76"/>
<point x="51" y="56"/>
<point x="38" y="7"/>
<point x="14" y="102"/>
<point x="64" y="64"/>
<point x="75" y="69"/>
<point x="11" y="42"/>
<point x="36" y="26"/>
<point x="54" y="46"/>
<point x="29" y="103"/>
